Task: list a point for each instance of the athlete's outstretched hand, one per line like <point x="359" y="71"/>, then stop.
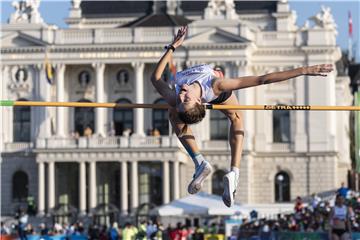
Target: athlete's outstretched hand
<point x="318" y="70"/>
<point x="180" y="36"/>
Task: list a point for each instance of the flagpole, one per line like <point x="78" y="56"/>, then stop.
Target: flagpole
<point x="350" y="37"/>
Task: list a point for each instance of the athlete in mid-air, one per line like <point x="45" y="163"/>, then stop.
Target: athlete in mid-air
<point x="202" y="84"/>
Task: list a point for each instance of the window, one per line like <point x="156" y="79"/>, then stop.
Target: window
<point x="66" y="184"/>
<point x="282" y="187"/>
<point x="160" y="118"/>
<point x="108" y="183"/>
<point x="84" y="119"/>
<point x="150" y="183"/>
<point x="22" y="123"/>
<point x="84" y="79"/>
<point x="217" y="182"/>
<point x="21" y="75"/>
<point x="218" y="125"/>
<point x="123" y="118"/>
<point x="122" y="77"/>
<point x="20" y="186"/>
<point x="281" y="126"/>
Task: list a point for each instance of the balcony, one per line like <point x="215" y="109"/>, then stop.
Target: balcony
<point x="94" y="142"/>
<point x="18" y="146"/>
<point x="114" y="35"/>
<point x="108" y="142"/>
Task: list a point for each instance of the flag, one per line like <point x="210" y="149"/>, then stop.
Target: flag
<point x="49" y="70"/>
<point x="350" y="25"/>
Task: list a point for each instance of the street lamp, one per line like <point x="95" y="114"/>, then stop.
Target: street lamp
<point x="280" y="181"/>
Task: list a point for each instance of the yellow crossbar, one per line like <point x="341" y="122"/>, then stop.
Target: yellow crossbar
<point x="9" y="103"/>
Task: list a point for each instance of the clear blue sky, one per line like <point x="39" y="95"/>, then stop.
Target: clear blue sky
<point x="54" y="12"/>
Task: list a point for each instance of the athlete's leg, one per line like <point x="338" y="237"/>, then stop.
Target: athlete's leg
<point x="236" y="131"/>
<point x="236" y="138"/>
<point x="187" y="139"/>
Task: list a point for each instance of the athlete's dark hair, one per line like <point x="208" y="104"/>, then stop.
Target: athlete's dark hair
<point x="219" y="68"/>
<point x="193" y="115"/>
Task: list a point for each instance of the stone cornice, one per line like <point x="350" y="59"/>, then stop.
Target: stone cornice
<point x="123" y="47"/>
<point x="319" y="49"/>
<point x="23" y="50"/>
<point x="278" y="51"/>
<point x="295" y="50"/>
<point x="103" y="155"/>
<point x="105" y="150"/>
<point x="211" y="46"/>
<point x="293" y="154"/>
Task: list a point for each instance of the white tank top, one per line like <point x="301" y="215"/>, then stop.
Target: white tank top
<point x="340" y="212"/>
<point x="203" y="74"/>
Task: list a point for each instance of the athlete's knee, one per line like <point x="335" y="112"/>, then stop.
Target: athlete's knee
<point x="235" y="118"/>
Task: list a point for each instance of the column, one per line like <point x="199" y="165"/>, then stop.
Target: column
<point x="3" y="77"/>
<point x="124" y="188"/>
<point x="166" y="182"/>
<point x="261" y="118"/>
<point x="82" y="187"/>
<point x="321" y="125"/>
<point x="51" y="185"/>
<point x="134" y="185"/>
<point x="43" y="94"/>
<point x="60" y="97"/>
<point x="92" y="185"/>
<point x="300" y="140"/>
<point x="176" y="180"/>
<point x="41" y="188"/>
<point x="100" y="113"/>
<point x="246" y="97"/>
<point x="139" y="98"/>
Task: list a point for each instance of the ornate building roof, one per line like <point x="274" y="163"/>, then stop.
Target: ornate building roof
<point x="103" y="9"/>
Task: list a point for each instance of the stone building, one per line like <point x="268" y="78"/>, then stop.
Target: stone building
<point x="98" y="159"/>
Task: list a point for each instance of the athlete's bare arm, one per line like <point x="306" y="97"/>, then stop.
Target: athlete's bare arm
<point x="162" y="87"/>
<point x="223" y="85"/>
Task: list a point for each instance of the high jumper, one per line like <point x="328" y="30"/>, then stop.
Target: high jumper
<point x="201" y="84"/>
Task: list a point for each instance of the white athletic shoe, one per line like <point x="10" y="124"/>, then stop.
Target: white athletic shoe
<point x="201" y="173"/>
<point x="230" y="184"/>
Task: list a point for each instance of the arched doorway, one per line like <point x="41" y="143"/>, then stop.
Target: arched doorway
<point x="20" y="186"/>
<point x="282" y="187"/>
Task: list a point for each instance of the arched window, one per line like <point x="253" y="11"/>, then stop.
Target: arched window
<point x="20" y="186"/>
<point x="84" y="118"/>
<point x="123" y="118"/>
<point x="282" y="187"/>
<point x="218" y="126"/>
<point x="281" y="126"/>
<point x="160" y="118"/>
<point x="22" y="123"/>
<point x="217" y="182"/>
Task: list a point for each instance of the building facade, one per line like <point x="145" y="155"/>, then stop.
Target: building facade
<point x="115" y="160"/>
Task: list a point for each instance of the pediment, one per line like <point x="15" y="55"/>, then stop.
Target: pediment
<point x="215" y="35"/>
<point x="18" y="39"/>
